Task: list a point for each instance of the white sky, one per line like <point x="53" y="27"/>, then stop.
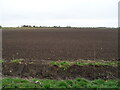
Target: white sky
<point x="79" y="13"/>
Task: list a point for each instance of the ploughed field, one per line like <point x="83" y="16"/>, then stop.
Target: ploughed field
<point x="60" y="53"/>
<point x="60" y="44"/>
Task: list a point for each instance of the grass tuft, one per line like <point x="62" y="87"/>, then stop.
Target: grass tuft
<point x="17" y="61"/>
<point x="1" y="61"/>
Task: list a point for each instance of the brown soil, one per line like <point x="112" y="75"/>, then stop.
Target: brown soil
<point x="43" y="70"/>
<point x="60" y="44"/>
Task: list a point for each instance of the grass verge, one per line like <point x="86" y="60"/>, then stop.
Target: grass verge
<point x="76" y="83"/>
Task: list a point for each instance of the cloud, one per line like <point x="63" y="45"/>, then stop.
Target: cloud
<point x="60" y="12"/>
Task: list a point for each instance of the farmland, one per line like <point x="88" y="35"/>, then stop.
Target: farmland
<point x="60" y="44"/>
<point x="61" y="54"/>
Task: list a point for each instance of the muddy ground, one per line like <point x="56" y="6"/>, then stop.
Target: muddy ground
<point x="45" y="70"/>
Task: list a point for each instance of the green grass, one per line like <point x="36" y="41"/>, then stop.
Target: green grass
<point x="97" y="63"/>
<point x="17" y="61"/>
<point x="76" y="83"/>
<point x="66" y="64"/>
<point x="1" y="61"/>
<point x="63" y="64"/>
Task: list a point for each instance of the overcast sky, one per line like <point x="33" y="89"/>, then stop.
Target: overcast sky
<point x="76" y="13"/>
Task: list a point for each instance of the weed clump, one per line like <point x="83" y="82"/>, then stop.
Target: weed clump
<point x="17" y="61"/>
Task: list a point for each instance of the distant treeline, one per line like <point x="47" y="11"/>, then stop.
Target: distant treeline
<point x="60" y="27"/>
<point x="43" y="26"/>
<point x="30" y="26"/>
